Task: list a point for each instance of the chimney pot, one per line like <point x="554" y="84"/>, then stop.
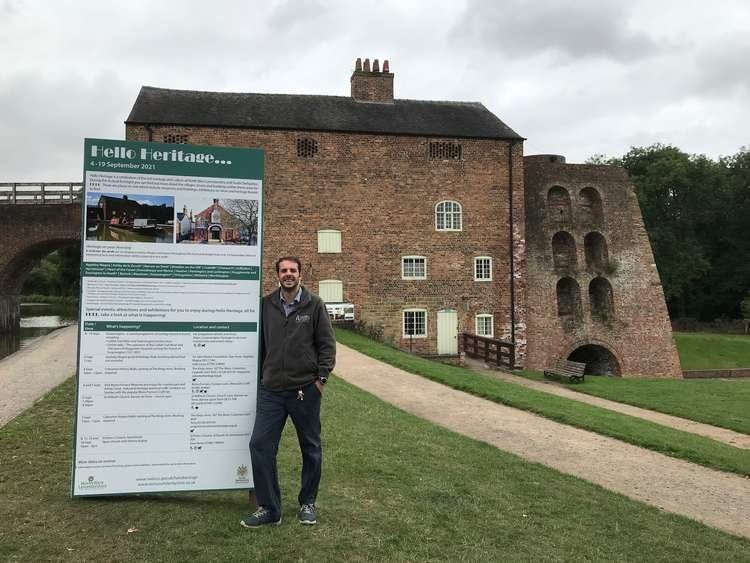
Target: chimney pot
<point x="372" y="86"/>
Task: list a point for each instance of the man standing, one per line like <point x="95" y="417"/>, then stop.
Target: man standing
<point x="298" y="352"/>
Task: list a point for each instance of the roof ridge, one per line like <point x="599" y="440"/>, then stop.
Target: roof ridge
<point x="286" y="95"/>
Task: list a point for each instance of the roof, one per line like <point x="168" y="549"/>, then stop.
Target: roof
<point x="162" y="106"/>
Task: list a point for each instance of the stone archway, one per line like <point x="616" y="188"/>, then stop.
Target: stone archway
<point x="599" y="360"/>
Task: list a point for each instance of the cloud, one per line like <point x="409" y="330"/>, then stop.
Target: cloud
<point x="46" y="120"/>
<point x="579" y="28"/>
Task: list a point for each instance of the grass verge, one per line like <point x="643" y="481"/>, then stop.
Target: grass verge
<point x="675" y="443"/>
<point x="708" y="350"/>
<point x="395" y="488"/>
<point x="718" y="402"/>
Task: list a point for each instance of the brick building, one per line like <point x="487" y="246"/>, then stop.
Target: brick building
<point x="413" y="210"/>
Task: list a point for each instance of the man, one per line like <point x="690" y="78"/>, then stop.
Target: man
<point x="298" y="352"/>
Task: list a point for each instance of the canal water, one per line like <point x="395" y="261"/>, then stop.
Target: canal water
<point x="36" y="321"/>
<point x="104" y="231"/>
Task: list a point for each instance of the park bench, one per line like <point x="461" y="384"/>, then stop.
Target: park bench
<point x="565" y="369"/>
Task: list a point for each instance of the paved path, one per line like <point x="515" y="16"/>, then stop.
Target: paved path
<point x="713" y="497"/>
<point x="736" y="439"/>
<point x="40" y="367"/>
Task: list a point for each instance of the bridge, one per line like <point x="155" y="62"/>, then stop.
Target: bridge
<point x="36" y="219"/>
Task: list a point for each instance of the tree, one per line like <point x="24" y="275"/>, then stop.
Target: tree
<point x="696" y="211"/>
<point x="245" y="213"/>
<point x="745" y="306"/>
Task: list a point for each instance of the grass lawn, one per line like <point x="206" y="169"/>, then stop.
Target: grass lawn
<point x="675" y="443"/>
<point x="707" y="350"/>
<point x="395" y="488"/>
<point x="719" y="402"/>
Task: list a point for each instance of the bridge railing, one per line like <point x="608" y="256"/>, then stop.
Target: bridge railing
<point x="40" y="192"/>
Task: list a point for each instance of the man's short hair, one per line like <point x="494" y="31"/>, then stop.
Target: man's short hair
<point x="289" y="259"/>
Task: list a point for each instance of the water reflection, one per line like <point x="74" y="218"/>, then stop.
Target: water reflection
<point x="36" y="321"/>
<point x="105" y="231"/>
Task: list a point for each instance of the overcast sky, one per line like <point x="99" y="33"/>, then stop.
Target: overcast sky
<point x="575" y="77"/>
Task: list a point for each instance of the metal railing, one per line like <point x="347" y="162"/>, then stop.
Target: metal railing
<point x="40" y="192"/>
<point x="498" y="352"/>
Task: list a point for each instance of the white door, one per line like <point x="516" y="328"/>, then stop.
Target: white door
<point x="447" y="332"/>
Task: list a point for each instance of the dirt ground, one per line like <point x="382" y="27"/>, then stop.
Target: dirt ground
<point x="713" y="497"/>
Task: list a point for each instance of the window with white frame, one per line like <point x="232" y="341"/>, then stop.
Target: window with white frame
<point x="331" y="291"/>
<point x="413" y="268"/>
<point x="415" y="323"/>
<point x="484" y="325"/>
<point x="448" y="216"/>
<point x="329" y="241"/>
<point x="483" y="268"/>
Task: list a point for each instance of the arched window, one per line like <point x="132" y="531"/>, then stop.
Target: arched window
<point x="558" y="203"/>
<point x="448" y="216"/>
<point x="590" y="205"/>
<point x="601" y="299"/>
<point x="568" y="301"/>
<point x="597" y="256"/>
<point x="563" y="251"/>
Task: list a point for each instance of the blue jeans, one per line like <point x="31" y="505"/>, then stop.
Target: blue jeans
<point x="273" y="409"/>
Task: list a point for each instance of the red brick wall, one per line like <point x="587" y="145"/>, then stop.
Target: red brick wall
<point x="380" y="192"/>
<point x="640" y="334"/>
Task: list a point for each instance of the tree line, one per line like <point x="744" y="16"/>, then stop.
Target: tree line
<point x="697" y="214"/>
<point x="696" y="211"/>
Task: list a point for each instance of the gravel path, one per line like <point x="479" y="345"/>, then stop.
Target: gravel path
<point x="736" y="439"/>
<point x="713" y="497"/>
<point x="40" y="367"/>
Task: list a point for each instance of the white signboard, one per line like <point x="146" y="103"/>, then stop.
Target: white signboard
<point x="169" y="317"/>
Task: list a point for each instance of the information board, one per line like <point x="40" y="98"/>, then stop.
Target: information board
<point x="169" y="315"/>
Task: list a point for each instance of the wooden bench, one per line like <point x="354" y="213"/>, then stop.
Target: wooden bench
<point x="565" y="369"/>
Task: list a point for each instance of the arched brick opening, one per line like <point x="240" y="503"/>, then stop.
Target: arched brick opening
<point x="569" y="302"/>
<point x="14" y="273"/>
<point x="597" y="255"/>
<point x="558" y="203"/>
<point x="599" y="360"/>
<point x="590" y="206"/>
<point x="563" y="251"/>
<point x="601" y="300"/>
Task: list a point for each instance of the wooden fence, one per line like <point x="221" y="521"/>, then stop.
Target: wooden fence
<point x="495" y="352"/>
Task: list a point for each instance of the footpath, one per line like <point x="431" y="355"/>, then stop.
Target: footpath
<point x="713" y="497"/>
<point x="33" y="371"/>
<point x="716" y="498"/>
<point x="736" y="439"/>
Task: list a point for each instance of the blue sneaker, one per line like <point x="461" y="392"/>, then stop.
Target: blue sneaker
<point x="307" y="514"/>
<point x="259" y="518"/>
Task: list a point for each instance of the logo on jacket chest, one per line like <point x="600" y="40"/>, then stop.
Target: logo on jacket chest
<point x="302" y="319"/>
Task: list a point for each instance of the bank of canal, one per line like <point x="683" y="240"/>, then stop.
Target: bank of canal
<point x="37" y="319"/>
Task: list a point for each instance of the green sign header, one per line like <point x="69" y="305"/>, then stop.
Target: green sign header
<point x="135" y="157"/>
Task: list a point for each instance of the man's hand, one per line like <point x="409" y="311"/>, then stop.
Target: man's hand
<point x="319" y="385"/>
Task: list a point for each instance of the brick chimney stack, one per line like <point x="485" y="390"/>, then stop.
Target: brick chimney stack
<point x="372" y="85"/>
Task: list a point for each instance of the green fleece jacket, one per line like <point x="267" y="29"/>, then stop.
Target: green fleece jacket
<point x="297" y="349"/>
